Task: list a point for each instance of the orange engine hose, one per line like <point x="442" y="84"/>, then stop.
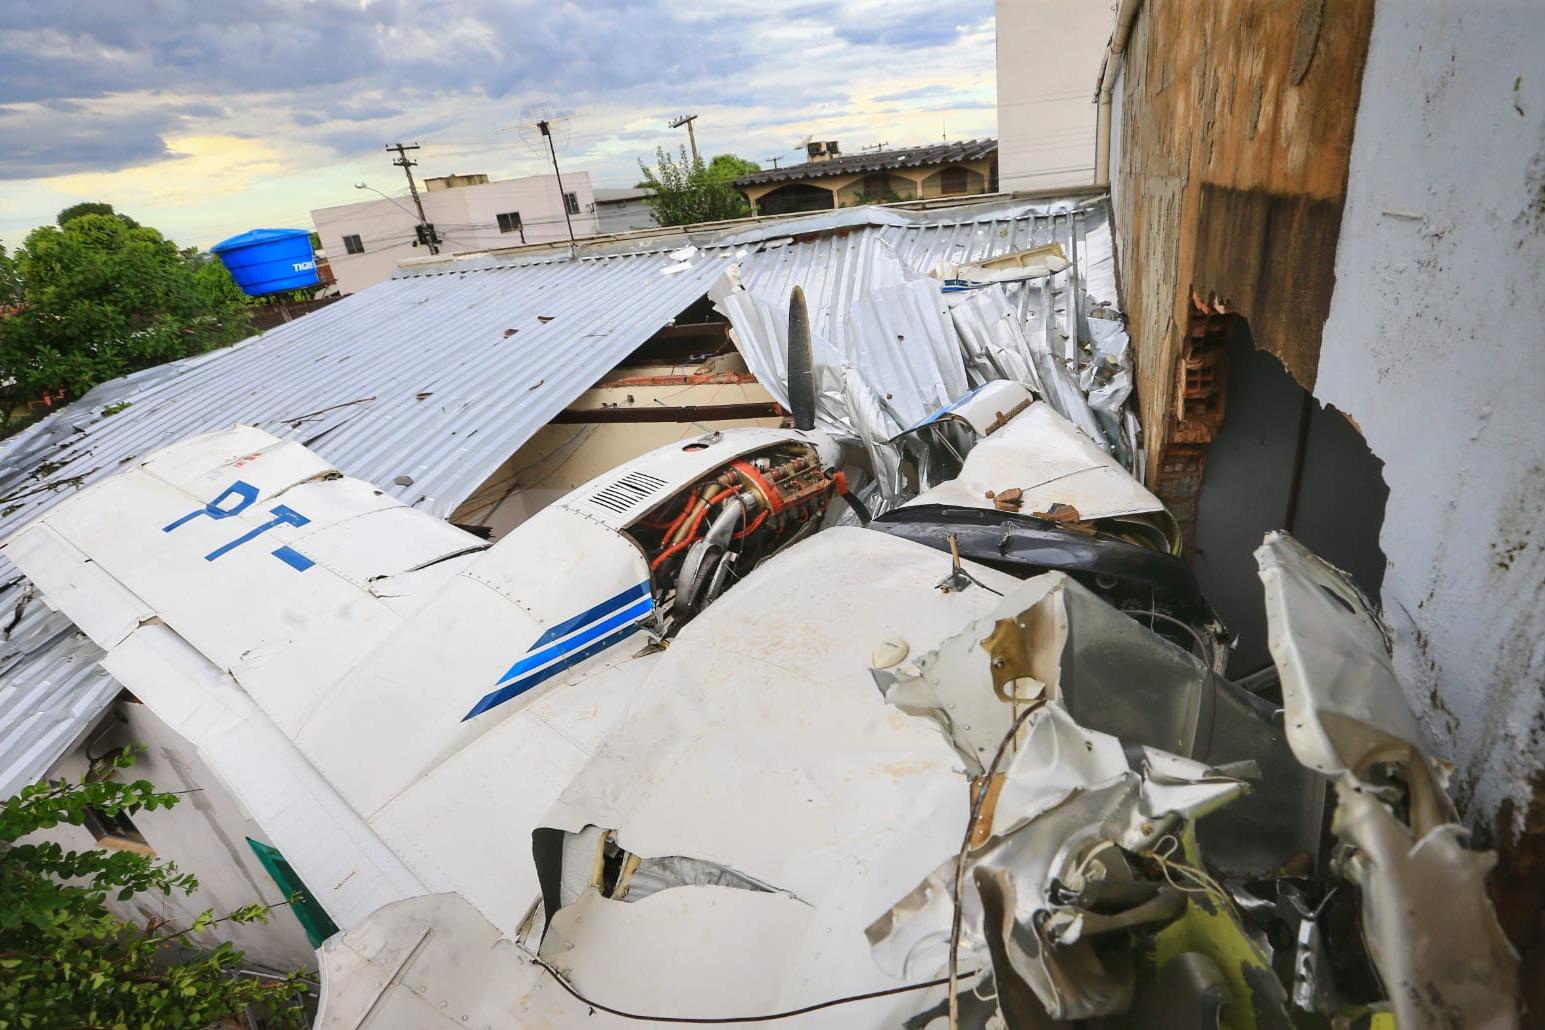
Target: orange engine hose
<point x="755" y="525"/>
<point x="691" y="533"/>
<point x="691" y="502"/>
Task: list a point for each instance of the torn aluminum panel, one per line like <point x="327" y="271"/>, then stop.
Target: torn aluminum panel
<point x="1042" y="455"/>
<point x="1036" y="263"/>
<point x="1431" y="929"/>
<point x="1059" y="870"/>
<point x="890" y="327"/>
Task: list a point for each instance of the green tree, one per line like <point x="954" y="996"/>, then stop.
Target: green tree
<point x="91" y="207"/>
<point x="686" y="191"/>
<point x="65" y="960"/>
<point x="100" y="297"/>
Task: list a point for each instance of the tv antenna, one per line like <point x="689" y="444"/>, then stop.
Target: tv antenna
<point x="544" y="127"/>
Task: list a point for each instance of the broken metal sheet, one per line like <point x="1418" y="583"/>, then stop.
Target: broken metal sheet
<point x="1344" y="706"/>
<point x="1042" y="454"/>
<point x="871" y="297"/>
<point x="1430" y="926"/>
<point x="1069" y="807"/>
<point x="1429" y="922"/>
<point x="426" y="961"/>
<point x="1035" y="263"/>
<point x="426" y="384"/>
<point x="51" y="688"/>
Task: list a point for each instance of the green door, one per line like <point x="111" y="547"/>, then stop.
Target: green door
<point x="312" y="915"/>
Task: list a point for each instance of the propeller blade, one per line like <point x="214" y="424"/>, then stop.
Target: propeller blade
<point x="801" y="363"/>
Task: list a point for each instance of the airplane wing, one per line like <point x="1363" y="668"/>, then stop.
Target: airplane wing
<point x="379" y="688"/>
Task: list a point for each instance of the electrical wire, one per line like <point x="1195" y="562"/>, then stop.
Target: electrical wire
<point x="965" y="848"/>
<point x="760" y="1018"/>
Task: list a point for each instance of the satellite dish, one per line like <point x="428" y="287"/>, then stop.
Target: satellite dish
<point x="540" y="121"/>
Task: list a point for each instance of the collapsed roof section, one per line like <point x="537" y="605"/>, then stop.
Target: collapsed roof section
<point x="425" y="384"/>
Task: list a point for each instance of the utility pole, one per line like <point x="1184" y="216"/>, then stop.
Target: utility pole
<point x="687" y="120"/>
<point x="563" y="198"/>
<point x="425" y="231"/>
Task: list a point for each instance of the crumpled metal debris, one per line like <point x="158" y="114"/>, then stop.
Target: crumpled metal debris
<point x="1065" y="842"/>
<point x="1430" y="927"/>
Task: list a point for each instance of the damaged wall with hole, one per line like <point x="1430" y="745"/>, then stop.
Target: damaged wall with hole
<point x="1365" y="185"/>
<point x="1229" y="159"/>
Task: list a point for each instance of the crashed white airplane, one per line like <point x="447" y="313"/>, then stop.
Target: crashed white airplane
<point x="683" y="748"/>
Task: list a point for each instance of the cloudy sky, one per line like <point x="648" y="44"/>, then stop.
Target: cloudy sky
<point x="208" y="117"/>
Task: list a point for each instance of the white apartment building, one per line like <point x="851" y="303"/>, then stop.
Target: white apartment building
<point x="1048" y="54"/>
<point x="365" y="241"/>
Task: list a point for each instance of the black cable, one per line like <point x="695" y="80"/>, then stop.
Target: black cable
<point x="767" y="1017"/>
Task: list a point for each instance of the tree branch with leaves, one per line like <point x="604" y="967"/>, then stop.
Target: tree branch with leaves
<point x="67" y="960"/>
<point x="687" y="191"/>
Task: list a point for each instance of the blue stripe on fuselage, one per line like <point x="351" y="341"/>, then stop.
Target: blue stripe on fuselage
<point x="540" y="658"/>
<point x="588" y="616"/>
<point x="503" y="694"/>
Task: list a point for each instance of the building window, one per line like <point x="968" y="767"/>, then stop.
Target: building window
<point x="952" y="180"/>
<point x="510" y="221"/>
<point x="353" y="245"/>
<point x="571" y="200"/>
<point x="313" y="917"/>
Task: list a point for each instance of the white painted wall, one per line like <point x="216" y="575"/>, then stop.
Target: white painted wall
<point x="1048" y="61"/>
<point x="204" y="834"/>
<point x="466" y="217"/>
<point x="1435" y="346"/>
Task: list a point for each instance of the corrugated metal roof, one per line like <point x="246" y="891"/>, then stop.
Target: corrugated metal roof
<point x="418" y="385"/>
<point x="51" y="687"/>
<point x="877" y="161"/>
<point x="412" y="384"/>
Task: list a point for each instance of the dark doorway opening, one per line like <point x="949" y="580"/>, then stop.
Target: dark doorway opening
<point x="1281" y="460"/>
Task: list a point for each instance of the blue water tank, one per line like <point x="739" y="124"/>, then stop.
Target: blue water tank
<point x="264" y="261"/>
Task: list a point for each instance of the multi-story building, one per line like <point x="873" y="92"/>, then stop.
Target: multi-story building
<point x="365" y="241"/>
<point x="1048" y="53"/>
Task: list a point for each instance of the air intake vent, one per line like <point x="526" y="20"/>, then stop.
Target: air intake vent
<point x="626" y="493"/>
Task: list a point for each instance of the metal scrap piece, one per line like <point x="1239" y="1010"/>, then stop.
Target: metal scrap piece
<point x="1431" y="929"/>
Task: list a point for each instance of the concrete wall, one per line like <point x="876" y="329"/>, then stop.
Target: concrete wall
<point x="466" y="218"/>
<point x="616" y="216"/>
<point x="1048" y="59"/>
<point x="1435" y="347"/>
<point x="204" y="834"/>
